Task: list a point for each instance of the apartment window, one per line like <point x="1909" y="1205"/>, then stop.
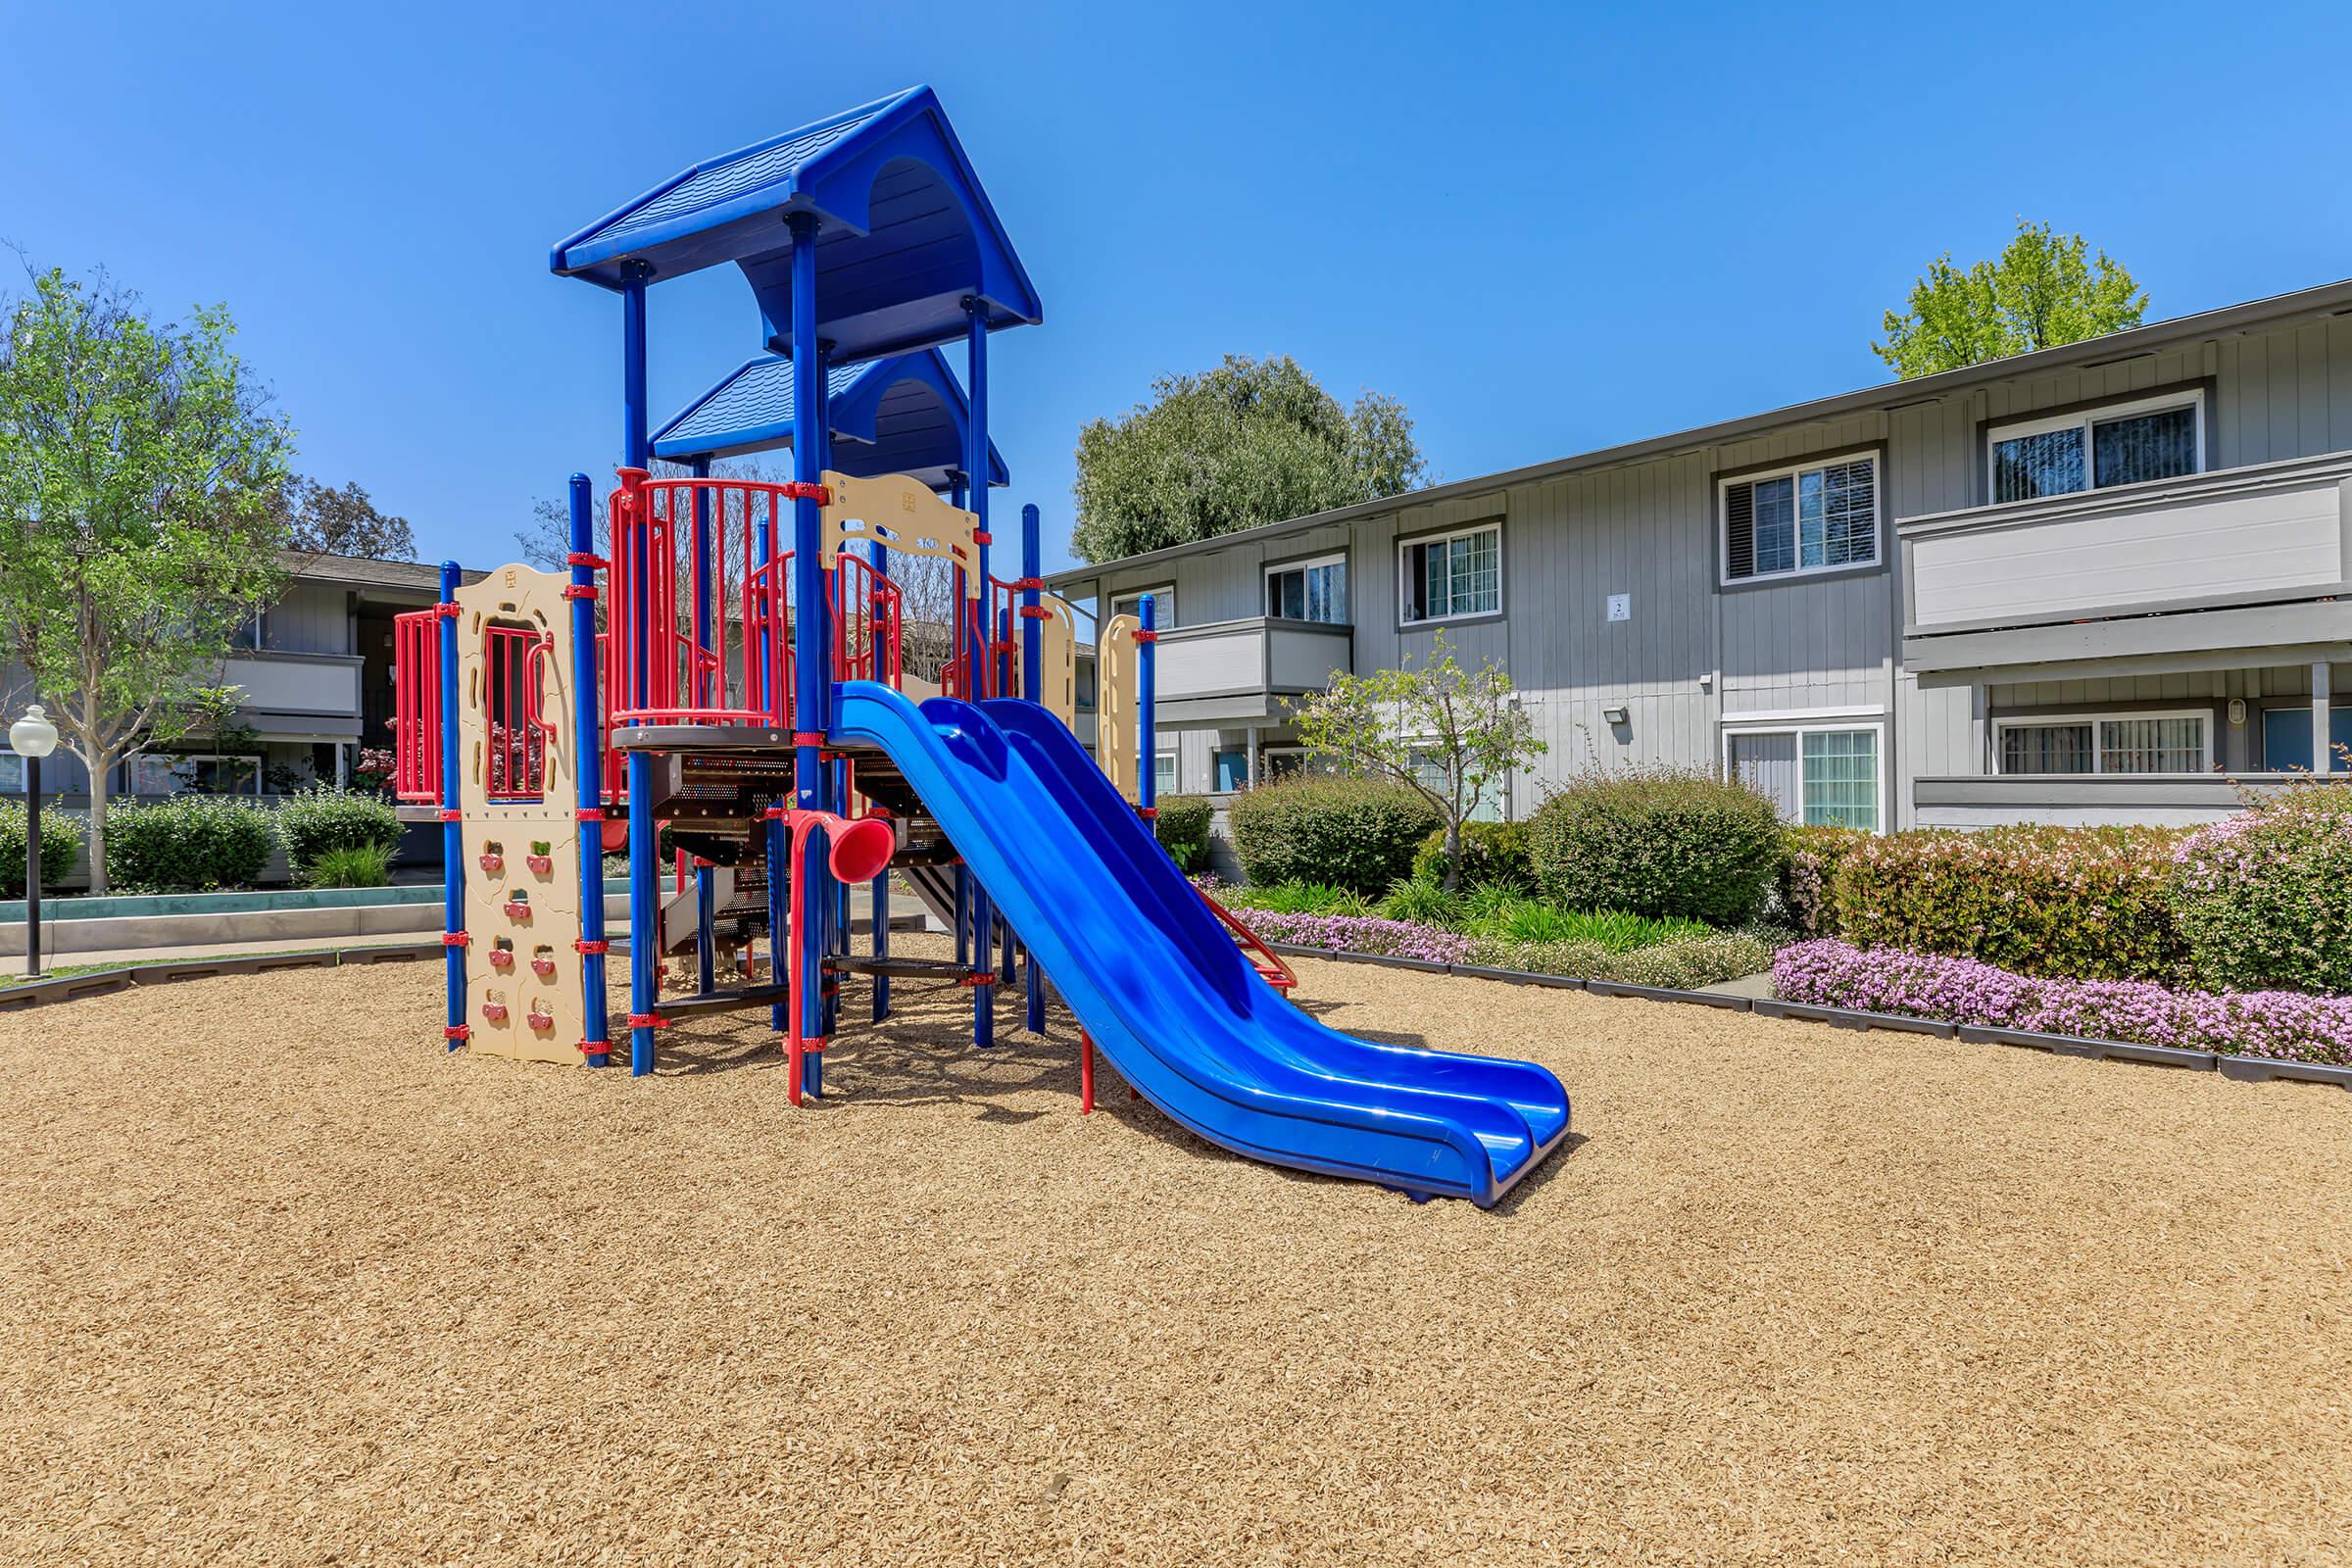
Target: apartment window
<point x="1814" y="516"/>
<point x="1083" y="689"/>
<point x="1310" y="590"/>
<point x="1493" y="802"/>
<point x="1822" y="777"/>
<point x="2094" y="743"/>
<point x="1163" y="605"/>
<point x="1283" y="761"/>
<point x="1163" y="773"/>
<point x="2129" y="443"/>
<point x="155" y="773"/>
<point x="1452" y="577"/>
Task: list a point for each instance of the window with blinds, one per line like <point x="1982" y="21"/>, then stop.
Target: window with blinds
<point x="1817" y="518"/>
<point x="2125" y="443"/>
<point x="1451" y="577"/>
<point x="2121" y="743"/>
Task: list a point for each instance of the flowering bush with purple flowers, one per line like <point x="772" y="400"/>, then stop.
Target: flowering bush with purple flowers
<point x="1361" y="933"/>
<point x="2285" y="1025"/>
<point x="2265" y="898"/>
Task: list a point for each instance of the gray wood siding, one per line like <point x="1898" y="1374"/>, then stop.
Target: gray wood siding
<point x="312" y="618"/>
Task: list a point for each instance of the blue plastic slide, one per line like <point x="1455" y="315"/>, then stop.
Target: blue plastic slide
<point x="1157" y="981"/>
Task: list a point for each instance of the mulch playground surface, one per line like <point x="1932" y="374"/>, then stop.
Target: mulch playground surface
<point x="283" y="1282"/>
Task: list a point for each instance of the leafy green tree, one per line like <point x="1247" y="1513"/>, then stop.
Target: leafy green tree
<point x="2044" y="290"/>
<point x="344" y="522"/>
<point x="1252" y="441"/>
<point x="139" y="524"/>
<point x="1445" y="731"/>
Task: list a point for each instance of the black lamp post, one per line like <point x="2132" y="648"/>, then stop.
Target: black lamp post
<point x="33" y="738"/>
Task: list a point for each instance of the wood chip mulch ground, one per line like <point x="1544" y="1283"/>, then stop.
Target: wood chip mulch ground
<point x="283" y="1282"/>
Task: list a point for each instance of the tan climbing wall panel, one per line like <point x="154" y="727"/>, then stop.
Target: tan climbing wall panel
<point x="522" y="906"/>
<point x="1118" y="672"/>
<point x="907" y="519"/>
<point x="1058" y="658"/>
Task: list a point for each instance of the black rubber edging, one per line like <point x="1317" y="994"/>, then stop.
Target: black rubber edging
<point x="103" y="981"/>
<point x="1518" y="977"/>
<point x="1722" y="999"/>
<point x="1377" y="960"/>
<point x="2263" y="1069"/>
<point x="1854" y="1018"/>
<point x="2086" y="1046"/>
<point x="97" y="983"/>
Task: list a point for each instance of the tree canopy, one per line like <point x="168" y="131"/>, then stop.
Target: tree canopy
<point x="2044" y="289"/>
<point x="140" y="481"/>
<point x="1252" y="441"/>
<point x="343" y="522"/>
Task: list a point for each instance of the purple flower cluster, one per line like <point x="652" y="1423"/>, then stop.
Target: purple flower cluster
<point x="2288" y="1025"/>
<point x="1360" y="933"/>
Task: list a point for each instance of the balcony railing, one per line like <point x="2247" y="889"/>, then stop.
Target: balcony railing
<point x="2268" y="534"/>
<point x="327" y="684"/>
<point x="1243" y="668"/>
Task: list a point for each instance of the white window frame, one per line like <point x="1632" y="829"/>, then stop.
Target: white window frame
<point x="1419" y="541"/>
<point x="2001" y="727"/>
<point x="2083" y="420"/>
<point x="1175" y="761"/>
<point x="1788" y="470"/>
<point x="1426" y="744"/>
<point x="1800" y="723"/>
<point x="1163" y="605"/>
<point x="130" y="763"/>
<point x="1338" y="557"/>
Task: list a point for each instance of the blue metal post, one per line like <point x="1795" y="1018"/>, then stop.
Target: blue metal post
<point x="879" y="558"/>
<point x="453" y="830"/>
<point x="706" y="931"/>
<point x="975" y="465"/>
<point x="1147" y="773"/>
<point x="644" y="911"/>
<point x="588" y="766"/>
<point x="1033" y="683"/>
<point x="812" y="663"/>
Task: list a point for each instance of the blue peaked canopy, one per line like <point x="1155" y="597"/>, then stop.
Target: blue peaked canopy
<point x="905" y="233"/>
<point x="902" y="415"/>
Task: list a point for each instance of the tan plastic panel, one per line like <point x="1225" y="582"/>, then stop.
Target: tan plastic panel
<point x="1058" y="658"/>
<point x="1119" y="670"/>
<point x="906" y="516"/>
<point x="537" y="841"/>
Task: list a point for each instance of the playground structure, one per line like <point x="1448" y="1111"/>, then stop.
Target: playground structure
<point x="732" y="673"/>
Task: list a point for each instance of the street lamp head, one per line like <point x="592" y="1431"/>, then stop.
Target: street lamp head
<point x="32" y="735"/>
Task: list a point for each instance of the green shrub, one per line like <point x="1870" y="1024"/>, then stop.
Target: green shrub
<point x="350" y="866"/>
<point x="1663" y="842"/>
<point x="188" y="844"/>
<point x="322" y="819"/>
<point x="1683" y="964"/>
<point x="1616" y="930"/>
<point x="1424" y="902"/>
<point x="2074" y="903"/>
<point x="1493" y="855"/>
<point x="1295" y="897"/>
<point x="2264" y="899"/>
<point x="1809" y="873"/>
<point x="1353" y="833"/>
<point x="1182" y="828"/>
<point x="61" y="847"/>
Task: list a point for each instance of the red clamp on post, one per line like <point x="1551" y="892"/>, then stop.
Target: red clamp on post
<point x="494" y="1012"/>
<point x="455" y="938"/>
<point x="1027" y="582"/>
<point x="1147" y="812"/>
<point x="978" y="977"/>
<point x="1143" y="636"/>
<point x="516" y="909"/>
<point x="590" y="813"/>
<point x="1036" y="613"/>
<point x="502" y="958"/>
<point x="450" y="814"/>
<point x="596" y="1047"/>
<point x="457" y="1031"/>
<point x="807" y="737"/>
<point x="648" y="1020"/>
<point x="579" y="590"/>
<point x="448" y="609"/>
<point x="592" y="946"/>
<point x="981" y="536"/>
<point x="805" y="490"/>
<point x="776" y="813"/>
<point x="582" y="558"/>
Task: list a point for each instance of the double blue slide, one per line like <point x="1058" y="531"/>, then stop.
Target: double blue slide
<point x="1157" y="981"/>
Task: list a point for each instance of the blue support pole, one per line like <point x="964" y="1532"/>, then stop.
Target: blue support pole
<point x="1033" y="680"/>
<point x="879" y="558"/>
<point x="645" y="912"/>
<point x="812" y="662"/>
<point x="706" y="930"/>
<point x="588" y="766"/>
<point x="975" y="466"/>
<point x="453" y="830"/>
<point x="1147" y="773"/>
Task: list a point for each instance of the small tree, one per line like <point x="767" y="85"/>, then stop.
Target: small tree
<point x="1464" y="727"/>
<point x="2044" y="290"/>
<point x="344" y="522"/>
<point x="138" y="519"/>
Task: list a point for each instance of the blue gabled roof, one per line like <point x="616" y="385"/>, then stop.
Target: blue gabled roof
<point x="902" y="415"/>
<point x="905" y="231"/>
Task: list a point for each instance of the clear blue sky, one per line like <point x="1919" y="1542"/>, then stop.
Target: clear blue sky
<point x="1545" y="231"/>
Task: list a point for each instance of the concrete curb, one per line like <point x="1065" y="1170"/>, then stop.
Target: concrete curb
<point x="102" y="981"/>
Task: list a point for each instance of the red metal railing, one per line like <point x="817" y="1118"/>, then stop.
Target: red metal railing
<point x="694" y="584"/>
<point x="416" y="706"/>
<point x="986" y="636"/>
<point x="514" y="759"/>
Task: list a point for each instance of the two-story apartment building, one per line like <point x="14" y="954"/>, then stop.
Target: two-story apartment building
<point x="2077" y="585"/>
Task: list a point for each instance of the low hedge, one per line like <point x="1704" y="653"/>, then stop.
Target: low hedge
<point x="1809" y="861"/>
<point x="2285" y="1025"/>
<point x="61" y="847"/>
<point x="1682" y="964"/>
<point x="2085" y="904"/>
<point x="1352" y="833"/>
<point x="1659" y="842"/>
<point x="188" y="844"/>
<point x="1494" y="855"/>
<point x="314" y="822"/>
<point x="1181" y="825"/>
<point x="2264" y="899"/>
